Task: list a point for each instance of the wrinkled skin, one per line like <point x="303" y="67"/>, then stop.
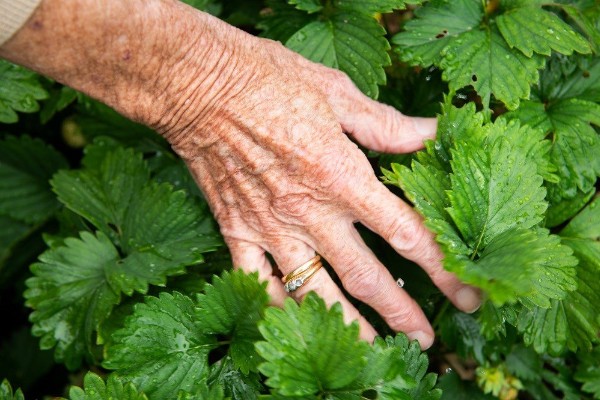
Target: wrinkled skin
<point x="263" y="131"/>
<point x="283" y="178"/>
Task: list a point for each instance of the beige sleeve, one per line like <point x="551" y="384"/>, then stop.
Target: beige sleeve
<point x="13" y="15"/>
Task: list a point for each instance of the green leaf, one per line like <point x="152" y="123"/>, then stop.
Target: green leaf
<point x="349" y="41"/>
<point x="71" y="295"/>
<point x="308" y="349"/>
<point x="481" y="58"/>
<point x="155" y="233"/>
<point x="20" y="90"/>
<point x="154" y="225"/>
<point x="486" y="213"/>
<point x="561" y="209"/>
<point x="403" y="367"/>
<point x="97" y="119"/>
<point x="462" y="332"/>
<point x="493" y="320"/>
<point x="236" y="385"/>
<point x="309" y="6"/>
<point x="6" y="392"/>
<point x="94" y="388"/>
<point x="203" y="392"/>
<point x="26" y="165"/>
<point x="585" y="23"/>
<point x="493" y="191"/>
<point x="524" y="363"/>
<point x="528" y="141"/>
<point x="460" y="124"/>
<point x="232" y="306"/>
<point x="436" y="25"/>
<point x="576" y="144"/>
<point x="454" y="388"/>
<point x="281" y="20"/>
<point x="417" y="364"/>
<point x="573" y="77"/>
<point x="567" y="111"/>
<point x="588" y="372"/>
<point x="425" y="186"/>
<point x="162" y="348"/>
<point x="557" y="381"/>
<point x="531" y="29"/>
<point x="532" y="113"/>
<point x="586" y="225"/>
<point x="58" y="100"/>
<point x="310" y="353"/>
<point x="199" y="4"/>
<point x="522" y="264"/>
<point x="371" y="7"/>
<point x="545" y="328"/>
<point x="103" y="195"/>
<point x="573" y="322"/>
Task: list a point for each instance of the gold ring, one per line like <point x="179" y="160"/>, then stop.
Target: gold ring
<point x="301" y="269"/>
<point x="297" y="278"/>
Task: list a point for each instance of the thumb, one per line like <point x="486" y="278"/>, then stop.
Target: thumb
<point x="375" y="125"/>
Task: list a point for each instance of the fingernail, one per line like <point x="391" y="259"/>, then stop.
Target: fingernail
<point x="424" y="339"/>
<point x="468" y="299"/>
<point x="426" y="127"/>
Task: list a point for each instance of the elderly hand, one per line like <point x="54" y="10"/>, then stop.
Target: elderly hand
<point x="263" y="131"/>
<point x="269" y="150"/>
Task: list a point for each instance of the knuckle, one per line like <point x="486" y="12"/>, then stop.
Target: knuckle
<point x="404" y="318"/>
<point x="362" y="281"/>
<point x="339" y="79"/>
<point x="343" y="80"/>
<point x="298" y="209"/>
<point x="409" y="236"/>
<point x="331" y="175"/>
<point x="346" y="168"/>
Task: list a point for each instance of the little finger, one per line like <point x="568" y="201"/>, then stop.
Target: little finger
<point x="251" y="258"/>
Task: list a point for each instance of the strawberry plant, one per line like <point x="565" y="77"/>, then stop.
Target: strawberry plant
<point x="115" y="282"/>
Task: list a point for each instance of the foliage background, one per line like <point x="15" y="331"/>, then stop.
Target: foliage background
<point x="114" y="279"/>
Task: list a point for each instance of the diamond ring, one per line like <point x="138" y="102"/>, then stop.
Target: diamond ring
<point x="298" y="277"/>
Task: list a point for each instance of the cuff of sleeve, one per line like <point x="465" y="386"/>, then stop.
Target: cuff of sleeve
<point x="13" y="15"/>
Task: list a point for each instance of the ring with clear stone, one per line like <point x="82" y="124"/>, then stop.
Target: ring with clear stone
<point x="298" y="277"/>
<point x="297" y="281"/>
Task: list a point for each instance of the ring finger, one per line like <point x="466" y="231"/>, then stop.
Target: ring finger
<point x="294" y="253"/>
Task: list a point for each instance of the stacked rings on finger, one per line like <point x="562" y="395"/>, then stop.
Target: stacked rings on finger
<point x="298" y="277"/>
